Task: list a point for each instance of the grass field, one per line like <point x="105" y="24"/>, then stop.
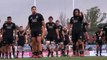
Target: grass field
<point x="62" y="58"/>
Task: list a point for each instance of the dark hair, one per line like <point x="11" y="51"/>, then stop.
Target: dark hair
<point x="21" y="26"/>
<point x="75" y="11"/>
<point x="50" y="17"/>
<point x="9" y="17"/>
<point x="57" y="20"/>
<point x="82" y="16"/>
<point x="33" y="7"/>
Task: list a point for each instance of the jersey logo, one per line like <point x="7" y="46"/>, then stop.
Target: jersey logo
<point x="80" y="37"/>
<point x="48" y="24"/>
<point x="75" y="21"/>
<point x="31" y="18"/>
<point x="52" y="24"/>
<point x="6" y="24"/>
<point x="50" y="27"/>
<point x="36" y="17"/>
<point x="59" y="29"/>
<point x="9" y="26"/>
<point x="40" y="34"/>
<point x="21" y="34"/>
<point x="34" y="20"/>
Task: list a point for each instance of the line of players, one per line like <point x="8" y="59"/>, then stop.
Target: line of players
<point x="74" y="33"/>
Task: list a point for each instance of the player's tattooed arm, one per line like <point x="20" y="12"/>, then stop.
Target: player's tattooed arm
<point x="63" y="34"/>
<point x="26" y="38"/>
<point x="57" y="32"/>
<point x="17" y="38"/>
<point x="44" y="25"/>
<point x="87" y="35"/>
<point x="27" y="27"/>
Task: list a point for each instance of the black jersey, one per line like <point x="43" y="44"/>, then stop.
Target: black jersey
<point x="21" y="36"/>
<point x="77" y="24"/>
<point x="97" y="35"/>
<point x="35" y="22"/>
<point x="51" y="28"/>
<point x="8" y="29"/>
<point x="60" y="29"/>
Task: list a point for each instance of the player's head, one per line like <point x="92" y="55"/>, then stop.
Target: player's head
<point x="57" y="22"/>
<point x="76" y="12"/>
<point x="21" y="28"/>
<point x="33" y="9"/>
<point x="50" y="19"/>
<point x="9" y="19"/>
<point x="100" y="28"/>
<point x="65" y="28"/>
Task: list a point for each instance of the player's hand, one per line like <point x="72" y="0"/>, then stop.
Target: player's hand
<point x="24" y="32"/>
<point x="42" y="37"/>
<point x="64" y="38"/>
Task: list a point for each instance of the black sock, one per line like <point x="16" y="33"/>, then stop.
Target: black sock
<point x="97" y="51"/>
<point x="6" y="55"/>
<point x="0" y="53"/>
<point x="37" y="53"/>
<point x="51" y="54"/>
<point x="22" y="53"/>
<point x="34" y="53"/>
<point x="56" y="53"/>
<point x="10" y="54"/>
<point x="40" y="52"/>
<point x="81" y="52"/>
<point x="13" y="50"/>
<point x="63" y="52"/>
<point x="17" y="53"/>
<point x="77" y="52"/>
<point x="100" y="50"/>
<point x="67" y="52"/>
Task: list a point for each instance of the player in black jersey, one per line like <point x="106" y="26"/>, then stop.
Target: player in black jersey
<point x="36" y="22"/>
<point x="99" y="35"/>
<point x="76" y="23"/>
<point x="66" y="39"/>
<point x="59" y="39"/>
<point x="85" y="36"/>
<point x="21" y="40"/>
<point x="59" y="31"/>
<point x="8" y="28"/>
<point x="51" y="34"/>
<point x="51" y="29"/>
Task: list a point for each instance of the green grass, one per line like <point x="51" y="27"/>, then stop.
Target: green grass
<point x="62" y="58"/>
